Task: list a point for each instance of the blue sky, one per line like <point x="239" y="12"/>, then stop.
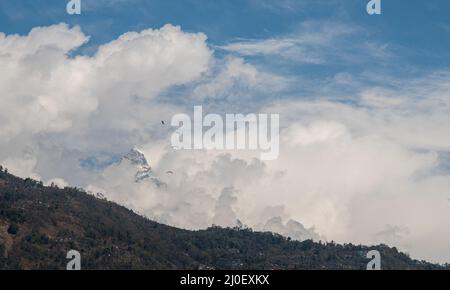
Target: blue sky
<point x="417" y="32"/>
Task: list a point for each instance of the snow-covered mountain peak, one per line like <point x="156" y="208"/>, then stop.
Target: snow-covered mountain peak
<point x="136" y="157"/>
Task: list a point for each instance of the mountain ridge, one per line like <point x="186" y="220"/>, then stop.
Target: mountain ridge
<point x="39" y="225"/>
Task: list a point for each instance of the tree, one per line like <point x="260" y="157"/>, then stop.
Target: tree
<point x="2" y="250"/>
<point x="13" y="229"/>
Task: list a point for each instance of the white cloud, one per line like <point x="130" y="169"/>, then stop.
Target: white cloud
<point x="351" y="172"/>
<point x="43" y="89"/>
<point x="23" y="167"/>
<point x="306" y="45"/>
<point x="315" y="42"/>
<point x="236" y="80"/>
<point x="61" y="183"/>
<point x="58" y="37"/>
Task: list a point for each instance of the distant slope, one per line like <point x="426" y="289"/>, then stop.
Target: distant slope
<point x="39" y="225"/>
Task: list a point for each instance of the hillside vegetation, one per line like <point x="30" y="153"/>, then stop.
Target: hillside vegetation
<point x="39" y="225"/>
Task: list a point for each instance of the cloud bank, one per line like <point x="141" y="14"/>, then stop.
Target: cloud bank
<point x="372" y="168"/>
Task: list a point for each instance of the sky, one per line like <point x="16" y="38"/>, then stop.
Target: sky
<point x="364" y="105"/>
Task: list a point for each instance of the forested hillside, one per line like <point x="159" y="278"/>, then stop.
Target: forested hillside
<point x="39" y="225"/>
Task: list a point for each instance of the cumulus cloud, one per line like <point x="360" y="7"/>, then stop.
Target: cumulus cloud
<point x="224" y="213"/>
<point x="233" y="79"/>
<point x="347" y="173"/>
<point x="61" y="106"/>
<point x="361" y="168"/>
<point x="43" y="89"/>
<point x="22" y="166"/>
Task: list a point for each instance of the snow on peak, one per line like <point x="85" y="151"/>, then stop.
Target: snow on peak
<point x="137" y="157"/>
